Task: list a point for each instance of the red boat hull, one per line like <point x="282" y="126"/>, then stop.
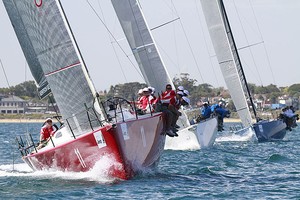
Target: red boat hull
<point x="80" y="154"/>
<point x="132" y="145"/>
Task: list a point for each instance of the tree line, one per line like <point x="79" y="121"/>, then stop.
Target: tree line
<point x="28" y="90"/>
<point x="25" y="90"/>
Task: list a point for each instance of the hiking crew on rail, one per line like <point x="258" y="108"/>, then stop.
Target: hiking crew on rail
<point x="169" y="103"/>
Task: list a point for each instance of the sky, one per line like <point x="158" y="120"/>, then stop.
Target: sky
<point x="270" y="27"/>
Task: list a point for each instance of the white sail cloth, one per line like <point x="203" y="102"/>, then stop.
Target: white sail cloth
<point x="51" y="52"/>
<point x="226" y="54"/>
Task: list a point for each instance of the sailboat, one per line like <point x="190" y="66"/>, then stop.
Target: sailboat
<point x="155" y="73"/>
<point x="233" y="73"/>
<point x="92" y="130"/>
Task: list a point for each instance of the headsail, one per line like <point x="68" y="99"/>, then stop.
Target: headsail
<point x="51" y="52"/>
<point x="28" y="49"/>
<point x="227" y="56"/>
<point x="142" y="44"/>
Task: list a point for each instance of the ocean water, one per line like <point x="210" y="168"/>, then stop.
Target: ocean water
<point x="236" y="167"/>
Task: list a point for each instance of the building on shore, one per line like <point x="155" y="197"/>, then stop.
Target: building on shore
<point x="10" y="104"/>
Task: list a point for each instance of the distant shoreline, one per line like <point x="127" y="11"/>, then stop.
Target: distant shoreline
<point x="22" y="120"/>
<point x="43" y="120"/>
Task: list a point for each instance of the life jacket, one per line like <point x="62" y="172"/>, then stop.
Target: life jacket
<point x="47" y="131"/>
<point x="148" y="102"/>
<point x="140" y="101"/>
<point x="144" y="102"/>
<point x="167" y="96"/>
<point x="206" y="111"/>
<point x="214" y="107"/>
<point x="152" y="99"/>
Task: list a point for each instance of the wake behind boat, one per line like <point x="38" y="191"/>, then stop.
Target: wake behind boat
<point x="91" y="129"/>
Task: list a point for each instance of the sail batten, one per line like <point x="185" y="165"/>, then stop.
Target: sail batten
<point x="141" y="43"/>
<point x="50" y="49"/>
<point x="143" y="46"/>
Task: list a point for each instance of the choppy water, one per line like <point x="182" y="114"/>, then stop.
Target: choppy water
<point x="237" y="167"/>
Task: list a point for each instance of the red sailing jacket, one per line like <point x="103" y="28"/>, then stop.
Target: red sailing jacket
<point x="167" y="96"/>
<point x="46" y="132"/>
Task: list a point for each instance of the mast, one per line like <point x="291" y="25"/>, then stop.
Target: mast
<point x="142" y="44"/>
<point x="234" y="48"/>
<point x="227" y="57"/>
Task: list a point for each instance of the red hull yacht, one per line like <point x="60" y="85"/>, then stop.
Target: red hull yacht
<point x="91" y="129"/>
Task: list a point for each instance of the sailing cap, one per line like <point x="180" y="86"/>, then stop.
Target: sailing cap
<point x="145" y="89"/>
<point x="152" y="89"/>
<point x="180" y="88"/>
<point x="48" y="120"/>
<point x="180" y="93"/>
<point x="187" y="100"/>
<point x="186" y="92"/>
<point x="140" y="91"/>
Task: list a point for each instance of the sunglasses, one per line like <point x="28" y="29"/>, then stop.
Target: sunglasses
<point x="168" y="88"/>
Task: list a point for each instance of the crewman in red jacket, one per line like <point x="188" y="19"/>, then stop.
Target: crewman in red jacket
<point x="167" y="101"/>
<point x="46" y="131"/>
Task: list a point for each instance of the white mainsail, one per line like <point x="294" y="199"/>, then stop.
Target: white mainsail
<point x="142" y="44"/>
<point x="144" y="49"/>
<point x="51" y="52"/>
<point x="227" y="57"/>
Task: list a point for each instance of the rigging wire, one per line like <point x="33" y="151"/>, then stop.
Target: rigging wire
<point x="108" y="30"/>
<point x="161" y="25"/>
<point x="189" y="44"/>
<point x="25" y="69"/>
<point x="8" y="85"/>
<point x="111" y="41"/>
<point x="165" y="52"/>
<point x="268" y="59"/>
<point x="136" y="21"/>
<point x="205" y="42"/>
<point x="176" y="64"/>
<point x="175" y="41"/>
<point x="4" y="74"/>
<point x="246" y="38"/>
<point x="250" y="69"/>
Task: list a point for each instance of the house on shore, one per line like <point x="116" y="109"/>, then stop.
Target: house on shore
<point x="10" y="104"/>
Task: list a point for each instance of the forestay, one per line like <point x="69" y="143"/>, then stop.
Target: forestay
<point x="226" y="53"/>
<point x="142" y="44"/>
<point x="52" y="53"/>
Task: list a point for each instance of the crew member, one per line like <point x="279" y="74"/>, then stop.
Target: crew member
<point x="165" y="105"/>
<point x="47" y="131"/>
